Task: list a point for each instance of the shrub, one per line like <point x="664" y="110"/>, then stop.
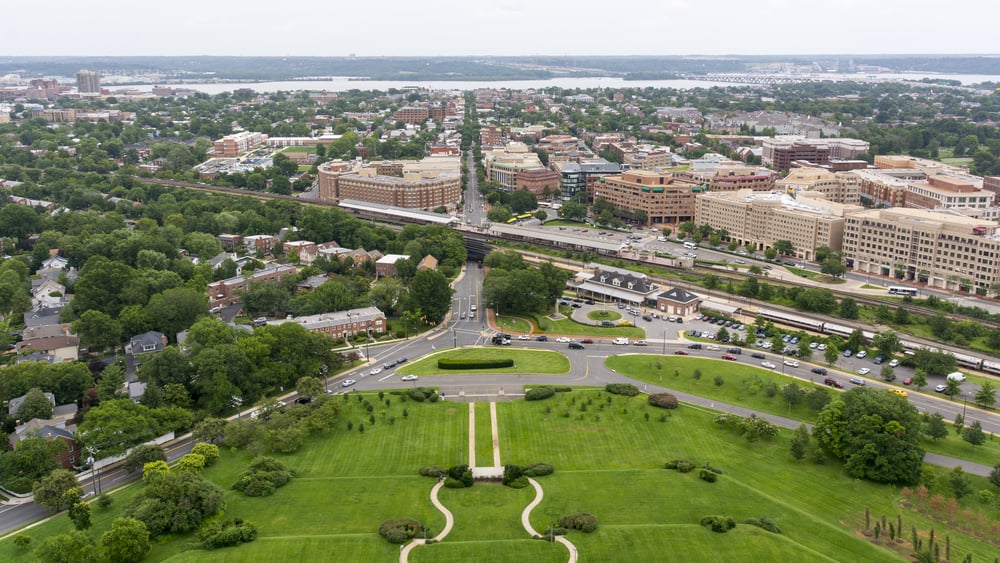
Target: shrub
<point x="453" y="483"/>
<point x="475" y="364"/>
<point x="557" y="531"/>
<point x="765" y="523"/>
<point x="103" y="501"/>
<point x="626" y="389"/>
<point x="709" y="467"/>
<point x="707" y="475"/>
<point x="512" y="472"/>
<point x="225" y="533"/>
<point x="663" y="400"/>
<point x="539" y="470"/>
<point x="460" y="473"/>
<point x="583" y="521"/>
<point x="685" y="466"/>
<point x="209" y="451"/>
<point x="433" y="471"/>
<point x="399" y="530"/>
<point x="22" y="541"/>
<point x="420" y="394"/>
<point x="539" y="393"/>
<point x="672" y="464"/>
<point x="562" y="389"/>
<point x="262" y="477"/>
<point x="519" y="483"/>
<point x="720" y="524"/>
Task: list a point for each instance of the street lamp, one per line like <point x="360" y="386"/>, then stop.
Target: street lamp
<point x="664" y="342"/>
<point x="323" y="370"/>
<point x="95" y="473"/>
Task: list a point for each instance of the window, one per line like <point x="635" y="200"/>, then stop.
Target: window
<point x="148" y="347"/>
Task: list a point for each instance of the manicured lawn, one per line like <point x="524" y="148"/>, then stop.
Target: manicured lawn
<point x="570" y="327"/>
<point x="565" y="223"/>
<point x="484" y="436"/>
<point x="514" y="324"/>
<point x="604" y="315"/>
<point x="742" y="384"/>
<point x="525" y="361"/>
<point x="612" y="468"/>
<point x="310" y="150"/>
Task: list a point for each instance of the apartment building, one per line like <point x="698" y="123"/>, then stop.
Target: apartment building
<point x="226" y="292"/>
<point x="426" y="184"/>
<point x="88" y="82"/>
<point x="731" y="177"/>
<point x="662" y="196"/>
<point x="941" y="248"/>
<point x="503" y="165"/>
<point x="780" y="152"/>
<point x="575" y="177"/>
<point x="838" y="187"/>
<point x="807" y="220"/>
<point x="491" y="136"/>
<point x="947" y="192"/>
<point x="412" y="114"/>
<point x="342" y="324"/>
<point x="881" y="188"/>
<point x="236" y="144"/>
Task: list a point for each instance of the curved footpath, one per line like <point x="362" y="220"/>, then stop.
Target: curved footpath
<point x="449" y="522"/>
<point x="526" y="521"/>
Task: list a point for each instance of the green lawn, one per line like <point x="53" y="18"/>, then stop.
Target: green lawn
<point x="570" y="327"/>
<point x="565" y="223"/>
<point x="484" y="436"/>
<point x="310" y="150"/>
<point x="604" y="315"/>
<point x="525" y="361"/>
<point x="612" y="467"/>
<point x="514" y="324"/>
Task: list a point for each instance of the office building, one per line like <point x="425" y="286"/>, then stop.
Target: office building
<point x="780" y="152"/>
<point x="576" y="177"/>
<point x="838" y="187"/>
<point x="662" y="197"/>
<point x="426" y="184"/>
<point x="237" y="144"/>
<point x="88" y="82"/>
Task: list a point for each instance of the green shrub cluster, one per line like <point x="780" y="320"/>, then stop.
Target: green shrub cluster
<point x="720" y="524"/>
<point x="223" y="533"/>
<point x="433" y="471"/>
<point x="682" y="465"/>
<point x="513" y="476"/>
<point x="663" y="400"/>
<point x="709" y="467"/>
<point x="494" y="363"/>
<point x="461" y="474"/>
<point x="765" y="523"/>
<point x="562" y="389"/>
<point x="420" y="394"/>
<point x="401" y="530"/>
<point x="174" y="503"/>
<point x="626" y="389"/>
<point x="583" y="521"/>
<point x="538" y="470"/>
<point x="453" y="483"/>
<point x="539" y="393"/>
<point x="556" y="531"/>
<point x="262" y="477"/>
<point x="707" y="475"/>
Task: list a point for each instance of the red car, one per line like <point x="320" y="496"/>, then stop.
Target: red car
<point x="681" y="352"/>
<point x="587" y="341"/>
<point x="908" y="381"/>
<point x="729" y="357"/>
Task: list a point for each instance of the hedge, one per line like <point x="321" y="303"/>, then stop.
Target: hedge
<point x="720" y="524"/>
<point x="433" y="471"/>
<point x="663" y="400"/>
<point x="626" y="389"/>
<point x="539" y="470"/>
<point x="765" y="523"/>
<point x="399" y="530"/>
<point x="707" y="475"/>
<point x="216" y="534"/>
<point x="446" y="363"/>
<point x="583" y="521"/>
<point x="539" y="393"/>
<point x="419" y="394"/>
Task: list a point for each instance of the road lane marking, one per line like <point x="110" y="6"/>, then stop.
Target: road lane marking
<point x="386" y="377"/>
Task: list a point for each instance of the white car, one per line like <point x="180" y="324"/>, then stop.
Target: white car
<point x="864" y="371"/>
<point x="768" y="365"/>
<point x="861" y="354"/>
<point x="813" y="345"/>
<point x="523" y="337"/>
<point x="893" y="363"/>
<point x="409" y="378"/>
<point x="712" y="347"/>
<point x="375" y="371"/>
<point x="791" y="363"/>
<point x="562" y="340"/>
<point x="348" y="383"/>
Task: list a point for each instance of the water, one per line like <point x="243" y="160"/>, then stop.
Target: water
<point x="342" y="84"/>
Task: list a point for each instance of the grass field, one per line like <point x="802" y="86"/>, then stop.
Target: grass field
<point x="514" y="324"/>
<point x="608" y="462"/>
<point x="603" y="315"/>
<point x="570" y="327"/>
<point x="484" y="436"/>
<point x="525" y="361"/>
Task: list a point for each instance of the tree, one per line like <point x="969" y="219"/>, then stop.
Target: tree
<point x="210" y="430"/>
<point x="935" y="427"/>
<point x="876" y="439"/>
<point x="952" y="388"/>
<point x="31" y="459"/>
<point x="770" y="253"/>
<point x="174" y="502"/>
<point x="831" y="354"/>
<point x="919" y="379"/>
<point x="191" y="463"/>
<point x="79" y="511"/>
<point x="35" y="405"/>
<point x="431" y="291"/>
<point x="974" y="435"/>
<point x="887" y="373"/>
<point x="959" y="424"/>
<point x="986" y="395"/>
<point x="995" y="475"/>
<point x="115" y="426"/>
<point x="127" y="541"/>
<point x="784" y="247"/>
<point x="959" y="482"/>
<point x="50" y="491"/>
<point x="800" y="440"/>
<point x="97" y="330"/>
<point x="143" y="454"/>
<point x="849" y="308"/>
<point x="73" y="547"/>
<point x="309" y="386"/>
<point x="176" y="309"/>
<point x="522" y="201"/>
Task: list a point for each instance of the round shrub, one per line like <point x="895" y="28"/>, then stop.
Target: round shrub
<point x="539" y="470"/>
<point x="539" y="393"/>
<point x="685" y="466"/>
<point x="453" y="483"/>
<point x="720" y="524"/>
<point x="399" y="530"/>
<point x="433" y="471"/>
<point x="707" y="475"/>
<point x="626" y="389"/>
<point x="518" y="483"/>
<point x="209" y="451"/>
<point x="420" y="394"/>
<point x="672" y="464"/>
<point x="663" y="400"/>
<point x="765" y="523"/>
<point x="583" y="521"/>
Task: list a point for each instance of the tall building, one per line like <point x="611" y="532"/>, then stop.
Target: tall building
<point x="663" y="197"/>
<point x="503" y="165"/>
<point x="943" y="249"/>
<point x="807" y="220"/>
<point x="780" y="152"/>
<point x="88" y="82"/>
<point x="580" y="177"/>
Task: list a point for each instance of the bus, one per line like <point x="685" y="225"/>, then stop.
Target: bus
<point x="512" y="220"/>
<point x="912" y="292"/>
<point x="524" y="216"/>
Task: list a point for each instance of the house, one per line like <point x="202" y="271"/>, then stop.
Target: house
<point x="68" y="458"/>
<point x="678" y="301"/>
<point x="36" y="357"/>
<point x="310" y="283"/>
<point x="42" y="316"/>
<point x="230" y="242"/>
<point x="341" y="324"/>
<point x="135" y="390"/>
<point x="386" y="265"/>
<point x="15" y="404"/>
<point x="219" y="258"/>
<point x="226" y="292"/>
<point x="48" y="294"/>
<point x="261" y="243"/>
<point x="62" y="348"/>
<point x="428" y="263"/>
<point x="146" y="343"/>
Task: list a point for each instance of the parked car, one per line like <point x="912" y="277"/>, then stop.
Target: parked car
<point x="864" y="371"/>
<point x="848" y="353"/>
<point x="893" y="363"/>
<point x="862" y="354"/>
<point x="647" y="318"/>
<point x="941" y="388"/>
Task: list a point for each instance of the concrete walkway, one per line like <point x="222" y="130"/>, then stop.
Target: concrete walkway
<point x="526" y="521"/>
<point x="449" y="523"/>
<point x="472" y="435"/>
<point x="496" y="435"/>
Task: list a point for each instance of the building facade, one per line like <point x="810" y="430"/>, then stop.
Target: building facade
<point x="539" y="181"/>
<point x="838" y="187"/>
<point x="236" y="144"/>
<point x="943" y="249"/>
<point x="427" y="184"/>
<point x="661" y="196"/>
<point x="780" y="152"/>
<point x="226" y="292"/>
<point x="344" y="324"/>
<point x="88" y="82"/>
<point x="580" y="177"/>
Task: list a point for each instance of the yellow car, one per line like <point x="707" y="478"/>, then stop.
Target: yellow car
<point x="899" y="392"/>
<point x="625" y="323"/>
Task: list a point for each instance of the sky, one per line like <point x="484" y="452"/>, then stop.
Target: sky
<point x="502" y="27"/>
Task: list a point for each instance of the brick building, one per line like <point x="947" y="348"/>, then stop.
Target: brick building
<point x="663" y="197"/>
<point x="225" y="292"/>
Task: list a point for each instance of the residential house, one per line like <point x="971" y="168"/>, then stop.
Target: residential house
<point x="69" y="457"/>
<point x="15" y="404"/>
<point x="261" y="243"/>
<point x="62" y="348"/>
<point x="428" y="263"/>
<point x="146" y="343"/>
<point x="386" y="265"/>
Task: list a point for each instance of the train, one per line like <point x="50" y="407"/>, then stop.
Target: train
<point x="987" y="365"/>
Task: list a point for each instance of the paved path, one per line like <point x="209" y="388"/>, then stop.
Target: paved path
<point x="496" y="435"/>
<point x="449" y="522"/>
<point x="526" y="521"/>
<point x="472" y="435"/>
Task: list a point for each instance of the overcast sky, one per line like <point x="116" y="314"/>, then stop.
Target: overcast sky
<point x="500" y="27"/>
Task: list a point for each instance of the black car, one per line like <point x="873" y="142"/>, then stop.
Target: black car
<point x="695" y="346"/>
<point x="575" y="346"/>
<point x="758" y="356"/>
<point x="589" y="302"/>
<point x="819" y="371"/>
<point x="647" y="318"/>
<point x="303" y="400"/>
<point x="401" y="361"/>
